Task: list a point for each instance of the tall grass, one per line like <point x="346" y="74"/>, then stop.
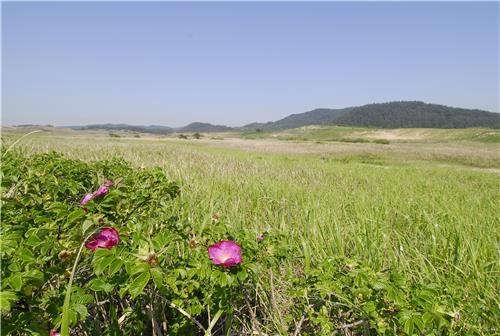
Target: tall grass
<point x="433" y="223"/>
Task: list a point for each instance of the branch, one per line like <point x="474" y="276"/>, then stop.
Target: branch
<point x="299" y="325"/>
<point x="183" y="312"/>
<point x="348" y="326"/>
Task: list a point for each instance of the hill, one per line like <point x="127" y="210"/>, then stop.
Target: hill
<point x="315" y="117"/>
<point x="417" y="115"/>
<point x="154" y="129"/>
<point x="204" y="127"/>
<point x="404" y="114"/>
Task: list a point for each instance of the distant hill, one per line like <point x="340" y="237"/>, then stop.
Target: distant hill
<point x="204" y="127"/>
<point x="315" y="117"/>
<point x="154" y="129"/>
<point x="417" y="115"/>
<point x="404" y="114"/>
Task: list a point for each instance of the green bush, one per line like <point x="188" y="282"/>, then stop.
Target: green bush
<point x="157" y="266"/>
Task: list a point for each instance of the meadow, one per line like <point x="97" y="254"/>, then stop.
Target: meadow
<point x="418" y="204"/>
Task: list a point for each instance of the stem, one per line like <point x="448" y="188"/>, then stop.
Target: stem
<point x="299" y="325"/>
<point x="15" y="142"/>
<point x="348" y="326"/>
<point x="67" y="298"/>
<point x="183" y="312"/>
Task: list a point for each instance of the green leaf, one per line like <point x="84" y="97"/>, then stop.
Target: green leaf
<point x="409" y="327"/>
<point x="25" y="255"/>
<point x="369" y="307"/>
<point x="139" y="267"/>
<point x="116" y="265"/>
<point x="16" y="281"/>
<point x="87" y="224"/>
<point x="81" y="310"/>
<point x="157" y="277"/>
<point x="137" y="286"/>
<point x="6" y="299"/>
<point x="74" y="216"/>
<point x="242" y="275"/>
<point x="99" y="285"/>
<point x="103" y="263"/>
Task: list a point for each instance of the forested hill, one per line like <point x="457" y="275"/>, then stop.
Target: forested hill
<point x="404" y="114"/>
<point x="417" y="115"/>
<point x="315" y="117"/>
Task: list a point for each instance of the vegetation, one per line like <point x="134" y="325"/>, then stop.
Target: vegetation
<point x="197" y="127"/>
<point x="153" y="129"/>
<point x="332" y="243"/>
<point x="417" y="114"/>
<point x="405" y="114"/>
<point x="401" y="135"/>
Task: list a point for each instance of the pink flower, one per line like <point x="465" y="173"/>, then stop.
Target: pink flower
<point x="54" y="332"/>
<point x="225" y="253"/>
<point x="107" y="238"/>
<point x="103" y="190"/>
<point x="86" y="199"/>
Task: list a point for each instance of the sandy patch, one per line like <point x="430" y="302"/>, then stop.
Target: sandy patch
<point x="393" y="135"/>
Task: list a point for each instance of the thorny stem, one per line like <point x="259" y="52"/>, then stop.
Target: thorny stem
<point x="67" y="298"/>
<point x="183" y="312"/>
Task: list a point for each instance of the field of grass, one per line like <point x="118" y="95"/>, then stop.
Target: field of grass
<point x="425" y="205"/>
<point x="361" y="134"/>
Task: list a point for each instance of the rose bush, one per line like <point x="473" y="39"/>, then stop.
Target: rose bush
<point x="139" y="261"/>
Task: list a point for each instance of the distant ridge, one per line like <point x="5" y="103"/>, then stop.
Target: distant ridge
<point x="204" y="127"/>
<point x="154" y="129"/>
<point x="417" y="115"/>
<point x="404" y="114"/>
<point x="401" y="114"/>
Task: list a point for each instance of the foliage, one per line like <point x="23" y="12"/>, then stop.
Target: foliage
<point x="160" y="270"/>
<point x="417" y="115"/>
<point x="404" y="114"/>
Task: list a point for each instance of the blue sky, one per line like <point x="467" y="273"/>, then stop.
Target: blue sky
<point x="235" y="63"/>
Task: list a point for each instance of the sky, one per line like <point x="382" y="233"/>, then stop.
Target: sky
<point x="171" y="63"/>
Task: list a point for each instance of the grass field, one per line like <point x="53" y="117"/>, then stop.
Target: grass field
<point x="425" y="204"/>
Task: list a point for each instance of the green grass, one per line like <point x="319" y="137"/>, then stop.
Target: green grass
<point x="432" y="222"/>
<point x="360" y="134"/>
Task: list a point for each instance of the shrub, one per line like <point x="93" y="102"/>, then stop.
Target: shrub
<point x="155" y="267"/>
<point x="382" y="141"/>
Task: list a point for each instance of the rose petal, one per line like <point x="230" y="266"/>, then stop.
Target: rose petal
<point x="107" y="238"/>
<point x="226" y="253"/>
<point x="87" y="198"/>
